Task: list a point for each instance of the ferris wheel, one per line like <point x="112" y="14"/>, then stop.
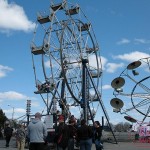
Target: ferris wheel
<point x="66" y="60"/>
<point x="133" y="83"/>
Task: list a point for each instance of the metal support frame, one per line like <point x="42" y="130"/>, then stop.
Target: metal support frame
<point x="100" y="101"/>
<point x="84" y="101"/>
<point x="63" y="97"/>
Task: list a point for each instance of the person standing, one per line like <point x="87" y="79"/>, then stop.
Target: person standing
<point x="20" y="137"/>
<point x="8" y="134"/>
<point x="36" y="133"/>
<point x="84" y="135"/>
<point x="73" y="132"/>
<point x="97" y="135"/>
<point x="62" y="134"/>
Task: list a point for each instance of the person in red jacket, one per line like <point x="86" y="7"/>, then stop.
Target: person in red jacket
<point x="62" y="134"/>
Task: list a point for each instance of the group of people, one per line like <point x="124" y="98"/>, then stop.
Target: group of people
<point x="20" y="135"/>
<point x="66" y="135"/>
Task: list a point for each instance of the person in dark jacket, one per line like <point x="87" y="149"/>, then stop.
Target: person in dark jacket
<point x="8" y="134"/>
<point x="73" y="132"/>
<point x="84" y="134"/>
<point x="62" y="134"/>
<point x="97" y="135"/>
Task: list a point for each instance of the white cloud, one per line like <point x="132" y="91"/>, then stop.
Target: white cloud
<point x="112" y="67"/>
<point x="13" y="17"/>
<point x="123" y="41"/>
<point x="47" y="64"/>
<point x="133" y="56"/>
<point x="102" y="61"/>
<point x="12" y="95"/>
<point x="16" y="110"/>
<point x="141" y="41"/>
<point x="4" y="70"/>
<point x="109" y="67"/>
<point x="106" y="87"/>
<point x="92" y="61"/>
<point x="20" y="110"/>
<point x="35" y="103"/>
<point x="76" y="111"/>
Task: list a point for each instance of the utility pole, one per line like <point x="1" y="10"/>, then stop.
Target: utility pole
<point x="28" y="110"/>
<point x="13" y="111"/>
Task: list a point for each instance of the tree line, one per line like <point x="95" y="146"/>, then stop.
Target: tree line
<point x="121" y="127"/>
<point x="3" y="118"/>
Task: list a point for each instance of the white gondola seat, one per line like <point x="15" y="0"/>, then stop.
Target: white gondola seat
<point x="73" y="11"/>
<point x="57" y="7"/>
<point x="91" y="50"/>
<point x="43" y="19"/>
<point x="37" y="50"/>
<point x="96" y="74"/>
<point x="94" y="98"/>
<point x="40" y="49"/>
<point x="85" y="27"/>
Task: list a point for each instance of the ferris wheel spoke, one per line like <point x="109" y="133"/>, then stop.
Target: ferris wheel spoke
<point x="141" y="95"/>
<point x="147" y="113"/>
<point x="142" y="83"/>
<point x="142" y="103"/>
<point x="79" y="49"/>
<point x="143" y="86"/>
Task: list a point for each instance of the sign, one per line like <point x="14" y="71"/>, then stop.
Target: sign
<point x="144" y="131"/>
<point x="49" y="121"/>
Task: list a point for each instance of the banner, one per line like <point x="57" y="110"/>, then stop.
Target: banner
<point x="49" y="121"/>
<point x="144" y="131"/>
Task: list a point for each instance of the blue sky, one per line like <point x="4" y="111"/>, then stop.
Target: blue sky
<point x="122" y="31"/>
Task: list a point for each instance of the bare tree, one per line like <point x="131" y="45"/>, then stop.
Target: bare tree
<point x="107" y="125"/>
<point x="122" y="127"/>
<point x="127" y="126"/>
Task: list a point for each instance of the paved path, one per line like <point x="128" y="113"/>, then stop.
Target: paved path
<point x="12" y="145"/>
<point x="127" y="146"/>
<point x="107" y="146"/>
